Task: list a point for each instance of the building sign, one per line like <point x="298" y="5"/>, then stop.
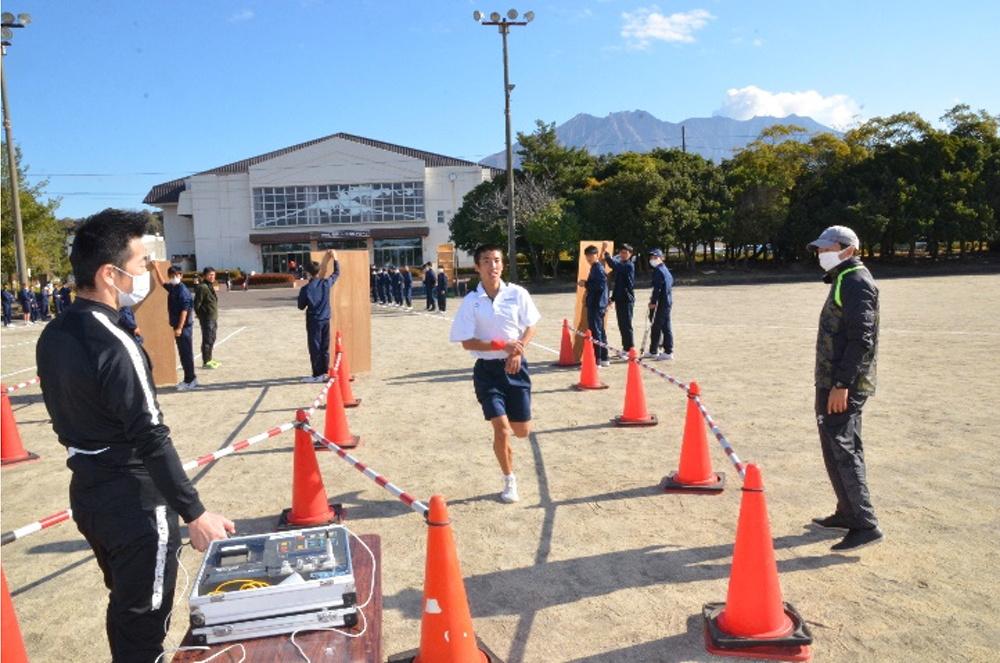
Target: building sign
<point x="343" y="234"/>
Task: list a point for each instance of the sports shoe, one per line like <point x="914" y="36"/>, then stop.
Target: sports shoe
<point x="605" y="362"/>
<point x="835" y="521"/>
<point x="509" y="493"/>
<point x="215" y="364"/>
<point x="313" y="378"/>
<point x="211" y="365"/>
<point x="187" y="385"/>
<point x="857" y="539"/>
<point x="664" y="356"/>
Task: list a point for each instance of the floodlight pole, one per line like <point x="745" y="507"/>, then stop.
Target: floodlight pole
<point x="503" y="25"/>
<point x="15" y="199"/>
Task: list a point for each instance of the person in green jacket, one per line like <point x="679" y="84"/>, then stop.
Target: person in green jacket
<point x="206" y="307"/>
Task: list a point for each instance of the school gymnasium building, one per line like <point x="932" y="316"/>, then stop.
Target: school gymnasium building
<point x="339" y="192"/>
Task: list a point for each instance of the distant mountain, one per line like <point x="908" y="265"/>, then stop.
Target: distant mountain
<point x="714" y="138"/>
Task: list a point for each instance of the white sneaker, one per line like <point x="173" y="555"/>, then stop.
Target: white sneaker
<point x="647" y="355"/>
<point x="663" y="356"/>
<point x="187" y="385"/>
<point x="509" y="493"/>
<point x="605" y="362"/>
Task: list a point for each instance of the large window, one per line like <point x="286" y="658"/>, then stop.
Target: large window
<point x="399" y="252"/>
<point x="278" y="258"/>
<point x="385" y="202"/>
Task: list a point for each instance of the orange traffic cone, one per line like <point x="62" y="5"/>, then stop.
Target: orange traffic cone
<point x="343" y="356"/>
<point x="344" y="377"/>
<point x="336" y="429"/>
<point x="566" y="355"/>
<point x="695" y="471"/>
<point x="12" y="650"/>
<point x="446" y="634"/>
<point x="11" y="450"/>
<point x="754" y="622"/>
<point x="635" y="412"/>
<point x="588" y="367"/>
<point x="309" y="504"/>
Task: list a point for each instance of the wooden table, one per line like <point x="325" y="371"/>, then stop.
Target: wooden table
<point x="366" y="649"/>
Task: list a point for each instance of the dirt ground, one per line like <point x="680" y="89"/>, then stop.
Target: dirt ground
<point x="594" y="564"/>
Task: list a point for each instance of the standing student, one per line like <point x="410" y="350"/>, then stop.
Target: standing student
<point x="623" y="294"/>
<point x="314" y="299"/>
<point x="596" y="301"/>
<point x="660" y="303"/>
<point x="495" y="323"/>
<point x="407" y="287"/>
<point x="442" y="289"/>
<point x="126" y="320"/>
<point x="846" y="352"/>
<point x="397" y="285"/>
<point x="373" y="284"/>
<point x="206" y="307"/>
<point x="8" y="305"/>
<point x="430" y="282"/>
<point x="27" y="301"/>
<point x="180" y="310"/>
<point x="128" y="488"/>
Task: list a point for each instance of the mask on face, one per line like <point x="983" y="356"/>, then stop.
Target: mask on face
<point x="654" y="262"/>
<point x="175" y="280"/>
<point x="140" y="288"/>
<point x="829" y="259"/>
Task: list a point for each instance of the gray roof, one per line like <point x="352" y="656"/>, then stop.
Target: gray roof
<point x="169" y="192"/>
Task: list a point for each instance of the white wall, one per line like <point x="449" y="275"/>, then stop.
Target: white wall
<point x="222" y="210"/>
<point x="442" y="193"/>
<point x="178" y="233"/>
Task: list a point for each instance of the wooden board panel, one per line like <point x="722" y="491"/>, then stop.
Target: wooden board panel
<point x="579" y="320"/>
<point x="350" y="308"/>
<point x="446" y="259"/>
<point x="154" y="326"/>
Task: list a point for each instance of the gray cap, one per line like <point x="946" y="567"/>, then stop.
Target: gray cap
<point x="835" y="235"/>
<point x="656" y="252"/>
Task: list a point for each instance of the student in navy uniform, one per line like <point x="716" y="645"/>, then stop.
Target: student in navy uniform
<point x="314" y="299"/>
<point x="430" y="282"/>
<point x="8" y="305"/>
<point x="397" y="285"/>
<point x="623" y="294"/>
<point x="44" y="299"/>
<point x="386" y="286"/>
<point x="373" y="284"/>
<point x="126" y="320"/>
<point x="596" y="302"/>
<point x="442" y="289"/>
<point x="660" y="304"/>
<point x="180" y="309"/>
<point x="407" y="287"/>
<point x="66" y="295"/>
<point x="27" y="299"/>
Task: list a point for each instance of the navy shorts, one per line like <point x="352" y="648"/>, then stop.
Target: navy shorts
<point x="500" y="393"/>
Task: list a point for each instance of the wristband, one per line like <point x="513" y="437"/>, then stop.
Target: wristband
<point x="498" y="344"/>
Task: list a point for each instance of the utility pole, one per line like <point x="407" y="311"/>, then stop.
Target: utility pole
<point x="15" y="198"/>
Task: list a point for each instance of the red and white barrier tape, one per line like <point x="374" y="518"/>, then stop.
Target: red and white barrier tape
<point x="237" y="446"/>
<point x="22" y="385"/>
<point x="396" y="492"/>
<point x="322" y="395"/>
<point x="36" y="526"/>
<point x="730" y="452"/>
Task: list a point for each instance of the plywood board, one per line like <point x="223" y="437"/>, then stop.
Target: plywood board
<point x="446" y="259"/>
<point x="154" y="326"/>
<point x="350" y="307"/>
<point x="579" y="320"/>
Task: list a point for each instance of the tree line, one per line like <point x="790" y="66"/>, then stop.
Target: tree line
<point x="907" y="188"/>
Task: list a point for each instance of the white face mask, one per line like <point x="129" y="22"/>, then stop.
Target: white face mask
<point x="829" y="260"/>
<point x="175" y="280"/>
<point x="654" y="262"/>
<point x="140" y="288"/>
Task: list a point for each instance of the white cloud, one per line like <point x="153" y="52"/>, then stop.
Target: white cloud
<point x="241" y="16"/>
<point x="836" y="111"/>
<point x="647" y="24"/>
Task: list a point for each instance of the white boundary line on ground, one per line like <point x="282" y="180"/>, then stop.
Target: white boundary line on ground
<point x="17" y="372"/>
<point x="180" y="366"/>
<point x="889" y="330"/>
<point x="14" y="345"/>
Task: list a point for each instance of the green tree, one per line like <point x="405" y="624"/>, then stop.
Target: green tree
<point x="44" y="237"/>
<point x="544" y="157"/>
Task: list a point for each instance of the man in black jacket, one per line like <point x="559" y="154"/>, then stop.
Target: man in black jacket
<point x="128" y="485"/>
<point x="846" y="350"/>
<point x="623" y="295"/>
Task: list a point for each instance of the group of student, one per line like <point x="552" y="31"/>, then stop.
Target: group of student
<point x="393" y="286"/>
<point x="36" y="306"/>
<point x="622" y="297"/>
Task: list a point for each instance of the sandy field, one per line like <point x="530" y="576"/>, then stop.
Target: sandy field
<point x="594" y="564"/>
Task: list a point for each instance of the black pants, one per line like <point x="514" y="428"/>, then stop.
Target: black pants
<point x="318" y="335"/>
<point x="623" y="311"/>
<point x="430" y="298"/>
<point x="661" y="325"/>
<point x="185" y="350"/>
<point x="136" y="550"/>
<point x="408" y="295"/>
<point x="209" y="329"/>
<point x="595" y="322"/>
<point x="442" y="297"/>
<point x="844" y="456"/>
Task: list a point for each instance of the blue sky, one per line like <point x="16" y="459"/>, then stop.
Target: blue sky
<point x="109" y="98"/>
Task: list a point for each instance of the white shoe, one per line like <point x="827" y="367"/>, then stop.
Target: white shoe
<point x="509" y="493"/>
<point x="647" y="355"/>
<point x="663" y="356"/>
<point x="181" y="386"/>
<point x="605" y="362"/>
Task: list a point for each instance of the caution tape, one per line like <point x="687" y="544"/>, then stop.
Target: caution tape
<point x="22" y="385"/>
<point x="395" y="491"/>
<point x="36" y="526"/>
<point x="237" y="446"/>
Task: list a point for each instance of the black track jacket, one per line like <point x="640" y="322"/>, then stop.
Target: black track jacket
<point x="98" y="388"/>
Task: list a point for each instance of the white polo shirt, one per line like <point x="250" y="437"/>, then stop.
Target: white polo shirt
<point x="505" y="318"/>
